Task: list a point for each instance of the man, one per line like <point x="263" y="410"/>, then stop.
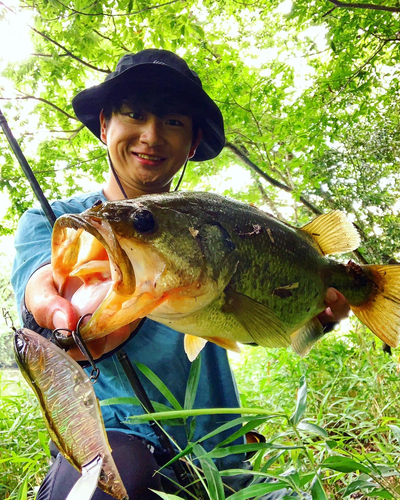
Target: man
<point x="153" y="116"/>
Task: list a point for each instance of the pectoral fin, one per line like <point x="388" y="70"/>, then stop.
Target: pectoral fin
<point x="264" y="327"/>
<point x="304" y="339"/>
<point x="193" y="345"/>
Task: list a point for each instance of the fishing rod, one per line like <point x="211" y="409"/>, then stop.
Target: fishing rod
<point x="27" y="170"/>
<point x="180" y="471"/>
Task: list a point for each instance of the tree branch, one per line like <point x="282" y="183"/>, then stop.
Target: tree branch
<point x="358" y="71"/>
<point x="41" y="100"/>
<point x="115" y="15"/>
<point x="52" y="170"/>
<point x="109" y="39"/>
<point x="266" y="198"/>
<point x="269" y="179"/>
<point x="369" y="6"/>
<point x="69" y="53"/>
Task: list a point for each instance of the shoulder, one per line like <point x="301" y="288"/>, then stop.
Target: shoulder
<point x="75" y="204"/>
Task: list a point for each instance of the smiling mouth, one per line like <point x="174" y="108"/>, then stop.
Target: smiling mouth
<point x="149" y="157"/>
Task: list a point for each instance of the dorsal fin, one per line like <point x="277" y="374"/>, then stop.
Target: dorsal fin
<point x="333" y="232"/>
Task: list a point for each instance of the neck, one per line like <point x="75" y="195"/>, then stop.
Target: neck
<point x="113" y="192"/>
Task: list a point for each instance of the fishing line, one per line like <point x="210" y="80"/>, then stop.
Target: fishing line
<point x="116" y="177"/>
<point x="181" y="177"/>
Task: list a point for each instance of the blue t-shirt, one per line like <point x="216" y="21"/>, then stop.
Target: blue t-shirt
<point x="156" y="346"/>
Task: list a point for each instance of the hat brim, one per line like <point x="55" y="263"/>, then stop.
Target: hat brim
<point x="89" y="103"/>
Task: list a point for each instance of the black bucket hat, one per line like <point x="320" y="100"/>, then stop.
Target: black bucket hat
<point x="158" y="68"/>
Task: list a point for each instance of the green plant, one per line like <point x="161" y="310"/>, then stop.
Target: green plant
<point x="341" y="439"/>
<point x="24" y="452"/>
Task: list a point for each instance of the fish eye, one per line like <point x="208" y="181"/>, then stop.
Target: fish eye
<point x="19" y="344"/>
<point x="143" y="221"/>
<point x="97" y="203"/>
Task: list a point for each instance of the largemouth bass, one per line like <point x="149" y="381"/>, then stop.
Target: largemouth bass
<point x="216" y="270"/>
<point x="69" y="405"/>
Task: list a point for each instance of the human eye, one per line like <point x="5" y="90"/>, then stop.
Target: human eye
<point x="135" y="115"/>
<point x="174" y="122"/>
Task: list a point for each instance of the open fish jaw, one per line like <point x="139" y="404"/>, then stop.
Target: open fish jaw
<point x="120" y="280"/>
<point x="69" y="406"/>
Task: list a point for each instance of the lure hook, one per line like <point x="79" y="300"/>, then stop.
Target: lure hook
<point x="8" y="318"/>
<point x="76" y="337"/>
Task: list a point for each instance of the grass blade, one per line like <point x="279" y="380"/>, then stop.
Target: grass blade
<point x="192" y="384"/>
<point x="157" y="382"/>
<point x="212" y="475"/>
<point x="166" y="496"/>
<point x="301" y="402"/>
<point x="257" y="489"/>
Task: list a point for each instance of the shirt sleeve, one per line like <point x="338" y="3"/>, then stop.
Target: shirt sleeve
<point x="33" y="248"/>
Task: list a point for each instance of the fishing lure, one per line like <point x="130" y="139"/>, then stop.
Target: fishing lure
<point x="69" y="405"/>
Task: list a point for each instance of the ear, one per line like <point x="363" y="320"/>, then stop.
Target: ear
<point x="195" y="144"/>
<point x="103" y="128"/>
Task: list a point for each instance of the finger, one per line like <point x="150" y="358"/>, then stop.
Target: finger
<point x="331" y="296"/>
<point x="42" y="299"/>
<point x="337" y="307"/>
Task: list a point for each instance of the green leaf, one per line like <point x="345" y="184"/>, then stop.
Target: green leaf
<point x="312" y="429"/>
<point x="249" y="426"/>
<point x="133" y="401"/>
<point x="359" y="485"/>
<point x="258" y="490"/>
<point x="245" y="448"/>
<point x="301" y="402"/>
<point x="157" y="382"/>
<point x="167" y="496"/>
<point x="192" y="383"/>
<point x="23" y="490"/>
<point x="380" y="494"/>
<point x="344" y="464"/>
<point x="396" y="432"/>
<point x="211" y="473"/>
<point x="317" y="490"/>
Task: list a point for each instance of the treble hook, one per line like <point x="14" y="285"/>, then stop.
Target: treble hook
<point x="8" y="318"/>
<point x="76" y="338"/>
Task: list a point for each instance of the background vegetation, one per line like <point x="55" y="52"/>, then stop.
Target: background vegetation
<point x="310" y="95"/>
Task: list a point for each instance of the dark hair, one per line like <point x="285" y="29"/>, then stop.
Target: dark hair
<point x="159" y="102"/>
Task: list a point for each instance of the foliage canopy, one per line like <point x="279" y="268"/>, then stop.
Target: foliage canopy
<point x="309" y="92"/>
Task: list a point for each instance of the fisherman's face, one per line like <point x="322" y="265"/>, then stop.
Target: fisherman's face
<point x="147" y="150"/>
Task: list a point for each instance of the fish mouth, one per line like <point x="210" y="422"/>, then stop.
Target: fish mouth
<point x="112" y="279"/>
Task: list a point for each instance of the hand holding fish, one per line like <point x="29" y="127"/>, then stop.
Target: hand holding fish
<point x="51" y="310"/>
<point x="42" y="299"/>
<point x="337" y="308"/>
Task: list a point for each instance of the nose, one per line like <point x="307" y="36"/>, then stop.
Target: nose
<point x="152" y="133"/>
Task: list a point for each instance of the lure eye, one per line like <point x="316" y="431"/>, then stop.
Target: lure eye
<point x="143" y="221"/>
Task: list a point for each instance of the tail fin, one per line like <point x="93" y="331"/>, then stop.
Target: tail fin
<point x="382" y="312"/>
